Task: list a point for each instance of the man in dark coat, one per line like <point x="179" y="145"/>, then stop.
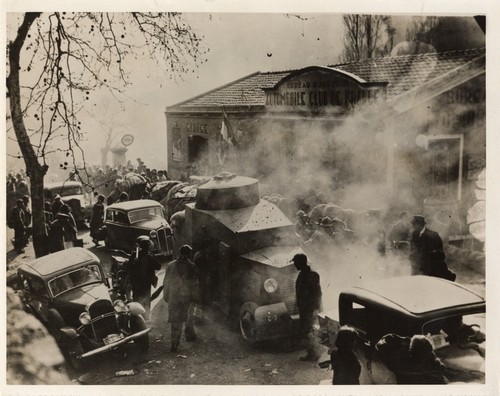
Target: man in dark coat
<point x="97" y="219"/>
<point x="70" y="230"/>
<point x="426" y="251"/>
<point x="59" y="230"/>
<point x="17" y="221"/>
<point x="308" y="296"/>
<point x="205" y="267"/>
<point x="180" y="291"/>
<point x="27" y="218"/>
<point x="141" y="269"/>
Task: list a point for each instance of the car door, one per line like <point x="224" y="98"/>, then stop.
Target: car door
<point x="35" y="295"/>
<point x="117" y="226"/>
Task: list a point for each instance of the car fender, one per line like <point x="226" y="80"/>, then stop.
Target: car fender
<point x="69" y="334"/>
<point x="55" y="319"/>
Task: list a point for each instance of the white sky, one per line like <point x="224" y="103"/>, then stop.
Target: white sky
<point x="239" y="45"/>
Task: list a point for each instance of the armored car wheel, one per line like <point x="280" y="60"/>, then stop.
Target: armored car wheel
<point x="137" y="323"/>
<point x="248" y="326"/>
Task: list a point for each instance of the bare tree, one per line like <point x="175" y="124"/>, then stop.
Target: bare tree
<point x="366" y="36"/>
<point x="56" y="60"/>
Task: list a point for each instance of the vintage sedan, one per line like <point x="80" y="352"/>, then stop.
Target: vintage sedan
<point x="125" y="221"/>
<point x="68" y="292"/>
<point x="450" y="315"/>
<point x="73" y="194"/>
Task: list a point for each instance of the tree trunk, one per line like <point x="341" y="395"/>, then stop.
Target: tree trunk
<point x="34" y="169"/>
<point x="37" y="205"/>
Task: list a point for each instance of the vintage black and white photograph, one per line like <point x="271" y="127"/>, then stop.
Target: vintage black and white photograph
<point x="246" y="198"/>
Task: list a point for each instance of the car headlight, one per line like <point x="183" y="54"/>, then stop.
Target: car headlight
<point x="84" y="318"/>
<point x="270" y="285"/>
<point x="153" y="234"/>
<point x="119" y="306"/>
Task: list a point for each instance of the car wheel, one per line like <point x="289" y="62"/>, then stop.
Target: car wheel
<point x="248" y="326"/>
<point x="74" y="362"/>
<point x="137" y="323"/>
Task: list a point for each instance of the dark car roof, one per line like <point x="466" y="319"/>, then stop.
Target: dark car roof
<point x="135" y="204"/>
<point x="56" y="262"/>
<point x="416" y="294"/>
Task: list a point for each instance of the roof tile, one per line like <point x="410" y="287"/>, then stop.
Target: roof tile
<point x="402" y="73"/>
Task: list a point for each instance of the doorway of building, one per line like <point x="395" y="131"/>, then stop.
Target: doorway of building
<point x="198" y="154"/>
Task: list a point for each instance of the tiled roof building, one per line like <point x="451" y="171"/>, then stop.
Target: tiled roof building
<point x="411" y="125"/>
<point x="402" y="73"/>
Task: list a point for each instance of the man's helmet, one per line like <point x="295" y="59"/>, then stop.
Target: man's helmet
<point x="144" y="242"/>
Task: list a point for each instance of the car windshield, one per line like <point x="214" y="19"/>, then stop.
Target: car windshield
<point x="79" y="277"/>
<point x="154" y="212"/>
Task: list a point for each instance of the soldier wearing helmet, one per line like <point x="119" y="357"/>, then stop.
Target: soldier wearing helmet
<point x="141" y="268"/>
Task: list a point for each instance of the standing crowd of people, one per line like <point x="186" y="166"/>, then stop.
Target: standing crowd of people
<point x="411" y="241"/>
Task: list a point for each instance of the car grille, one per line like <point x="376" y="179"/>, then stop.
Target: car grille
<point x="287" y="290"/>
<point x="103" y="319"/>
<point x="164" y="241"/>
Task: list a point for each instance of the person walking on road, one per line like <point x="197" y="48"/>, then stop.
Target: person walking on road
<point x="97" y="219"/>
<point x="70" y="230"/>
<point x="180" y="291"/>
<point x="141" y="269"/>
<point x="60" y="229"/>
<point x="308" y="296"/>
<point x="426" y="251"/>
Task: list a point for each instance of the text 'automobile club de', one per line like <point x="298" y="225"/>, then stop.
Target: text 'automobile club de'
<point x="412" y="125"/>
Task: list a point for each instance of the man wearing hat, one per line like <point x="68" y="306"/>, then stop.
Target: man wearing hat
<point x="56" y="205"/>
<point x="302" y="228"/>
<point x="308" y="297"/>
<point x="426" y="251"/>
<point x="141" y="268"/>
<point x="329" y="233"/>
<point x="97" y="219"/>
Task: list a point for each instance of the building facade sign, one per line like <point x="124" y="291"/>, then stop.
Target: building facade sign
<point x="321" y="88"/>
